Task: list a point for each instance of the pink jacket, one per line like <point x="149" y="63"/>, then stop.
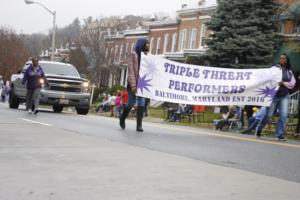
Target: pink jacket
<point x="292" y="83"/>
<point x="118" y="101"/>
<point x="133" y="70"/>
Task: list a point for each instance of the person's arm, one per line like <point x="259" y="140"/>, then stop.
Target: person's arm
<point x="291" y="84"/>
<point x="25" y="77"/>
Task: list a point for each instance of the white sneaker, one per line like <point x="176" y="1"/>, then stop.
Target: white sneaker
<point x="29" y="112"/>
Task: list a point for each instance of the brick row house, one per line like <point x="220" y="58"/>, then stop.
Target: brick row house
<point x="184" y="39"/>
<point x="118" y="49"/>
<point x="163" y="36"/>
<point x="176" y="39"/>
<point x="290" y="31"/>
<point x="192" y="33"/>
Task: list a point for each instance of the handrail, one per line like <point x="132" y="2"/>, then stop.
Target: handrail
<point x="293" y="103"/>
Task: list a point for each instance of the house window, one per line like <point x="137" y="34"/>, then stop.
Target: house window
<point x="121" y="53"/>
<point x="116" y="52"/>
<point x="158" y="46"/>
<point x="126" y="51"/>
<point x="151" y="44"/>
<point x="174" y="40"/>
<point x="132" y="47"/>
<point x="202" y="35"/>
<point x="281" y="27"/>
<point x="180" y="46"/>
<point x="297" y="26"/>
<point x="193" y="39"/>
<point x="184" y="39"/>
<point x="111" y="54"/>
<point x="106" y="53"/>
<point x="166" y="42"/>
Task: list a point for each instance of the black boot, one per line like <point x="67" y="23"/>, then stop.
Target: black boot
<point x="139" y="118"/>
<point x="123" y="117"/>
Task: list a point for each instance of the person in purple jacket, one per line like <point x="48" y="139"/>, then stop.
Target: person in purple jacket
<point x="34" y="78"/>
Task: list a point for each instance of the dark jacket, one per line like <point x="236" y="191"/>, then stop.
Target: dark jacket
<point x="288" y="83"/>
<point x="32" y="77"/>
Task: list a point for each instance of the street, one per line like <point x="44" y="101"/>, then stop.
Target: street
<point x="67" y="156"/>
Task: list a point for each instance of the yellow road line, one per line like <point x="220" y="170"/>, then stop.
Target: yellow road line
<point x="230" y="137"/>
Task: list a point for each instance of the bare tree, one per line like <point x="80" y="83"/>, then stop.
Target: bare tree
<point x="93" y="41"/>
<point x="78" y="59"/>
<point x="97" y="38"/>
<point x="13" y="54"/>
<point x="36" y="42"/>
<point x="93" y="46"/>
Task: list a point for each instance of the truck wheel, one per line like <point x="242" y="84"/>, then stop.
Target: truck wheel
<point x="13" y="101"/>
<point x="57" y="109"/>
<point x="82" y="111"/>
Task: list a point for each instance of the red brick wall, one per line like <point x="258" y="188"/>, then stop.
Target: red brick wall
<point x="193" y="22"/>
<point x="289" y="25"/>
<point x="156" y="32"/>
<point x="289" y="2"/>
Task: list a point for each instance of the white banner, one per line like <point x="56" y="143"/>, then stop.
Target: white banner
<point x="166" y="80"/>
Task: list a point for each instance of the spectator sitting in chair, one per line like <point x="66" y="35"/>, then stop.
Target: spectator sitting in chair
<point x="111" y="101"/>
<point x="4" y="93"/>
<point x="258" y="115"/>
<point x="104" y="106"/>
<point x="175" y="116"/>
<point x="188" y="109"/>
<point x="225" y="118"/>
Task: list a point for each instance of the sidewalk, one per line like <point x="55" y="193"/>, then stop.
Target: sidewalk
<point x="207" y="126"/>
<point x="48" y="163"/>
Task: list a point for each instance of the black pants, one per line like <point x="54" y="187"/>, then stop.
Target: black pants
<point x="33" y="98"/>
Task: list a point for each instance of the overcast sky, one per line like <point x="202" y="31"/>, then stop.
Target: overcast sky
<point x="33" y="18"/>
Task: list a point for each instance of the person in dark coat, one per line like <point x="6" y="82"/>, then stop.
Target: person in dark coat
<point x="142" y="47"/>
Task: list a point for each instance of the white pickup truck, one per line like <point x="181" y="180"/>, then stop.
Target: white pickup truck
<point x="66" y="88"/>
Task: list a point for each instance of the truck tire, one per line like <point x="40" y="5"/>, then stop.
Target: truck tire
<point x="82" y="111"/>
<point x="13" y="101"/>
<point x="57" y="109"/>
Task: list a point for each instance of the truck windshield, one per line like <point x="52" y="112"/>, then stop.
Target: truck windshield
<point x="59" y="69"/>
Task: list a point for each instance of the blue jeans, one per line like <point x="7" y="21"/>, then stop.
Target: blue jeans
<point x="132" y="99"/>
<point x="250" y="121"/>
<point x="282" y="104"/>
<point x="253" y="125"/>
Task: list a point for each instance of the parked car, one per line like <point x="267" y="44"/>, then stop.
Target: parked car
<point x="66" y="88"/>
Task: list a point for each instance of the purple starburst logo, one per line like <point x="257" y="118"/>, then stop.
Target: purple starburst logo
<point x="143" y="83"/>
<point x="150" y="66"/>
<point x="267" y="92"/>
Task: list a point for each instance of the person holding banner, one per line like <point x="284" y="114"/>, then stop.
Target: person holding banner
<point x="281" y="100"/>
<point x="227" y="114"/>
<point x="142" y="47"/>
